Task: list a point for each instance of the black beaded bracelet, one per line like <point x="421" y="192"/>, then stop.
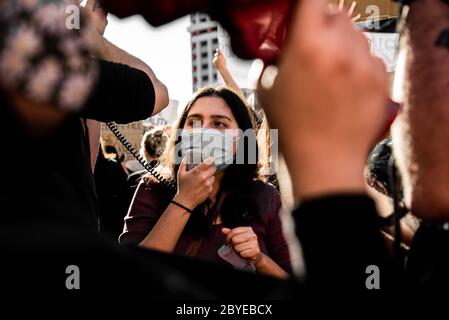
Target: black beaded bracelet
<point x="181" y="206"/>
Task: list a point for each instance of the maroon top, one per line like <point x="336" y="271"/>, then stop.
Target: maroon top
<point x="151" y="200"/>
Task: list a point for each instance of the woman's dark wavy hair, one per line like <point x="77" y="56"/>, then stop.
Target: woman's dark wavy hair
<point x="238" y="207"/>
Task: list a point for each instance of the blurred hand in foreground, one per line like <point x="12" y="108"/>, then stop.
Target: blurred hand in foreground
<point x="327" y="98"/>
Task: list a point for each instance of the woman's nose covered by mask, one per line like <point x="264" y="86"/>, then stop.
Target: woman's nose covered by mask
<point x="198" y="145"/>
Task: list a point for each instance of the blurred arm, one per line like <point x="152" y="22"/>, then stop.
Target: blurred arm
<point x="221" y="66"/>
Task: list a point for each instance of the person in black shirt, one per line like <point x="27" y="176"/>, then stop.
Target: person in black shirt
<point x="121" y="86"/>
<point x="112" y="190"/>
<point x="123" y="89"/>
<point x="146" y="98"/>
<point x="71" y="159"/>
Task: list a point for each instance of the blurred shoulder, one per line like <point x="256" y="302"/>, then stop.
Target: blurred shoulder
<point x="266" y="195"/>
<point x="264" y="187"/>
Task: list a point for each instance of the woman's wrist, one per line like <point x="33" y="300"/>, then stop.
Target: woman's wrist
<point x="317" y="174"/>
<point x="184" y="201"/>
<point x="260" y="261"/>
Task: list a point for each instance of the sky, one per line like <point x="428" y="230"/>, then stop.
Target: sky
<point x="165" y="49"/>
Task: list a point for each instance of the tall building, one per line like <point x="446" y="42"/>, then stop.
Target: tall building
<point x="204" y="41"/>
<point x="206" y="36"/>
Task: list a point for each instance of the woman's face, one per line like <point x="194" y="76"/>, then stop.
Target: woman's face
<point x="210" y="113"/>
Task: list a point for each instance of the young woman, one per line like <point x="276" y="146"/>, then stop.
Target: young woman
<point x="214" y="204"/>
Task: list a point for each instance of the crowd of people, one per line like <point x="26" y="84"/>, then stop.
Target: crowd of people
<point x="371" y="210"/>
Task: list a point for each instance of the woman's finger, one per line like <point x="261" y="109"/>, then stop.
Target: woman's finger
<point x="242" y="238"/>
<point x="243" y="246"/>
<point x="356" y="18"/>
<point x="352" y="8"/>
<point x="182" y="167"/>
<point x="248" y="254"/>
<point x="235" y="232"/>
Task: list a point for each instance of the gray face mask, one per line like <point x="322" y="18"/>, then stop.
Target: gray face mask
<point x="198" y="145"/>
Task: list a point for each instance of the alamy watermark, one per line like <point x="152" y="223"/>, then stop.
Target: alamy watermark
<point x="372" y="281"/>
<point x="73" y="20"/>
<point x="373" y="20"/>
<point x="72" y="281"/>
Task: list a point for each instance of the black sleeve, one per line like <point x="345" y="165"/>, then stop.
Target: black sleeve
<point x="340" y="239"/>
<point x="122" y="94"/>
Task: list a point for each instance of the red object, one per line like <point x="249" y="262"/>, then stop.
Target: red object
<point x="257" y="27"/>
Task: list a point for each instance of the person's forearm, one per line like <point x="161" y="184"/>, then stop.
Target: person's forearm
<point x="268" y="267"/>
<point x="106" y="50"/>
<point x="165" y="234"/>
<point x="319" y="176"/>
<point x="229" y="80"/>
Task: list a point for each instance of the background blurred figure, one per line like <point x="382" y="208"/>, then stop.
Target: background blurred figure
<point x="111" y="187"/>
<point x="379" y="177"/>
<point x="152" y="146"/>
<point x="220" y="63"/>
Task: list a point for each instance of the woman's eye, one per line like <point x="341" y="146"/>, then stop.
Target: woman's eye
<point x="220" y="124"/>
<point x="193" y="122"/>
